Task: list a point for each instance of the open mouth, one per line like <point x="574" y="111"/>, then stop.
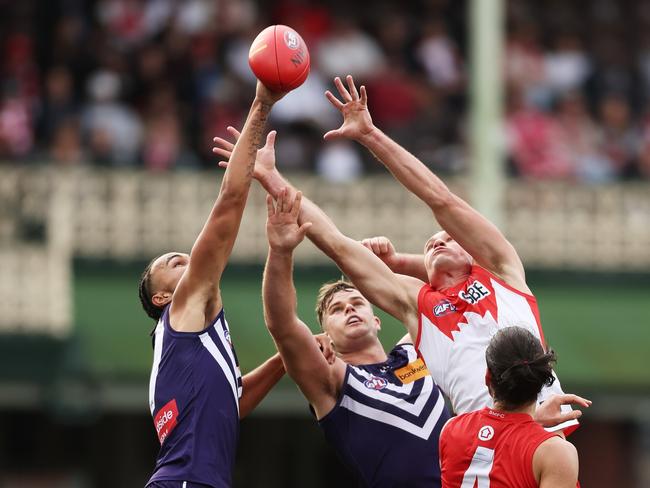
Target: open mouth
<point x="353" y="320"/>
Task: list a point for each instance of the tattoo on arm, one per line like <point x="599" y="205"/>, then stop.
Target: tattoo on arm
<point x="257" y="130"/>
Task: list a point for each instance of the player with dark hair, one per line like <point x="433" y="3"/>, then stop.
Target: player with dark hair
<point x="195" y="385"/>
<point x="503" y="446"/>
<point x="381" y="412"/>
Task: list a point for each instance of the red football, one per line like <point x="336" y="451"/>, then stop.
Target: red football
<point x="279" y="58"/>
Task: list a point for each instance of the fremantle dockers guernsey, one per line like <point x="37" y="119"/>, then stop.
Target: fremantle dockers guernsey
<point x="455" y="328"/>
<point x="490" y="448"/>
<point x="386" y="423"/>
<point x="194" y="400"/>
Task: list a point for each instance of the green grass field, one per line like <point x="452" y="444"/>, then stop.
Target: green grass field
<point x="599" y="325"/>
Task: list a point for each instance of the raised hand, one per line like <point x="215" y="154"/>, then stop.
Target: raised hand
<point x="264" y="161"/>
<point x="549" y="413"/>
<point x="357" y="122"/>
<point x="326" y="346"/>
<point x="267" y="96"/>
<point x="282" y="229"/>
<point x="382" y="248"/>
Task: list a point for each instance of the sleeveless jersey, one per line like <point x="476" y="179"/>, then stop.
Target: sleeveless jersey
<point x="490" y="448"/>
<point x="386" y="423"/>
<point x="455" y="328"/>
<point x="194" y="395"/>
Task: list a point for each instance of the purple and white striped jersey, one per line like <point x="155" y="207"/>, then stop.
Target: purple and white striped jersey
<point x="387" y="421"/>
<point x="194" y="394"/>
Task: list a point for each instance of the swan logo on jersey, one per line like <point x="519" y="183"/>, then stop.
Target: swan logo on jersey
<point x="486" y="433"/>
<point x="376" y="383"/>
<point x="443" y="308"/>
<point x="166" y="419"/>
<point x="475" y="292"/>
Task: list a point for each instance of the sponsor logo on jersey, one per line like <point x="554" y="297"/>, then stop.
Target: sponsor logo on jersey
<point x="226" y="334"/>
<point x="165" y="420"/>
<point x="486" y="433"/>
<point x="376" y="383"/>
<point x="412" y="371"/>
<point x="291" y="39"/>
<point x="497" y="414"/>
<point x="475" y="292"/>
<point x="443" y="308"/>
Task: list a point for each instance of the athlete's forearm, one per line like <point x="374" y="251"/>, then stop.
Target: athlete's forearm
<point x="407" y="169"/>
<point x="242" y="161"/>
<point x="409" y="265"/>
<point x="257" y="384"/>
<point x="273" y="183"/>
<point x="476" y="234"/>
<point x="279" y="294"/>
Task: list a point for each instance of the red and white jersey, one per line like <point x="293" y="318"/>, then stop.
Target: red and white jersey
<point x="455" y="328"/>
<point x="491" y="449"/>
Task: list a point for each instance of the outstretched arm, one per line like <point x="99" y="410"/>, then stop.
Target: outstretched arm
<point x="196" y="300"/>
<point x="401" y="263"/>
<point x="257" y="384"/>
<point x="395" y="294"/>
<point x="477" y="235"/>
<point x="319" y="381"/>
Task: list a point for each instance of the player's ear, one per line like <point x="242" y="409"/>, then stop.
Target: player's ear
<point x="488" y="377"/>
<point x="161" y="298"/>
<point x="377" y="322"/>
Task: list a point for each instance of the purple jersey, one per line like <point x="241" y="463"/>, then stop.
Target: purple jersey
<point x="386" y="423"/>
<point x="194" y="395"/>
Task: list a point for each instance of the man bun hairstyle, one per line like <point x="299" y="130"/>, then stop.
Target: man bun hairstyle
<point x="144" y="291"/>
<point x="326" y="293"/>
<point x="519" y="367"/>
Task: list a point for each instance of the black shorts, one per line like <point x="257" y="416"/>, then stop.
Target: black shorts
<point x="175" y="484"/>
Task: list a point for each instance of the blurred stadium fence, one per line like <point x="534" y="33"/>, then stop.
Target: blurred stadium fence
<point x="50" y="216"/>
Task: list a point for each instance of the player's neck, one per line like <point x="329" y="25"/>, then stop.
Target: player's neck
<point x="373" y="353"/>
<point x="443" y="279"/>
<point x="528" y="409"/>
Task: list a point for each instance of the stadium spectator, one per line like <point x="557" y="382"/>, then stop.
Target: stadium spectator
<point x="417" y="51"/>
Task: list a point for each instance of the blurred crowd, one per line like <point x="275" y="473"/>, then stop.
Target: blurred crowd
<point x="149" y="83"/>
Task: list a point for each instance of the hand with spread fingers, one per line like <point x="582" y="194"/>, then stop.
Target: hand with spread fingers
<point x="357" y="122"/>
<point x="550" y="413"/>
<point x="282" y="228"/>
<point x="264" y="161"/>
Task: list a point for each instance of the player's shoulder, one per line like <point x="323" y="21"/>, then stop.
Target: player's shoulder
<point x="557" y="456"/>
<point x="555" y="448"/>
<point x="461" y="422"/>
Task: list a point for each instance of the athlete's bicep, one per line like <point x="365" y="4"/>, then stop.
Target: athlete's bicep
<point x="209" y="255"/>
<point x="393" y="293"/>
<point x="482" y="240"/>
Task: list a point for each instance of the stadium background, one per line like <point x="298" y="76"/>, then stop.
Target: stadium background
<point x="107" y="111"/>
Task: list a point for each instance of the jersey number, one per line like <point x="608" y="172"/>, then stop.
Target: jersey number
<point x="478" y="473"/>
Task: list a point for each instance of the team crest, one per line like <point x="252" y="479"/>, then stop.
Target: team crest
<point x="443" y="308"/>
<point x="376" y="383"/>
